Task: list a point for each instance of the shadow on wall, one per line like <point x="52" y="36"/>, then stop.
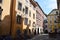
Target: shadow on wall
<point x="5" y="25"/>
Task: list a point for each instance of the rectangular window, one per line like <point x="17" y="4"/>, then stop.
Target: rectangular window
<point x="27" y="1"/>
<point x="0" y="1"/>
<point x="26" y="21"/>
<point x="29" y="22"/>
<point x="19" y="19"/>
<point x="0" y="12"/>
<point x="55" y="21"/>
<point x="19" y="6"/>
<point x="33" y="24"/>
<point x="33" y="16"/>
<point x="45" y="21"/>
<point x="56" y="13"/>
<point x="30" y="13"/>
<point x="26" y="10"/>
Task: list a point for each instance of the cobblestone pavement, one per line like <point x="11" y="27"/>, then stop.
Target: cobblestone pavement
<point x="44" y="37"/>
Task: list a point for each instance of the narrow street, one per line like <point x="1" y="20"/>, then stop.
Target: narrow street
<point x="44" y="37"/>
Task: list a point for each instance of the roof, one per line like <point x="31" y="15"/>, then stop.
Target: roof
<point x="52" y="11"/>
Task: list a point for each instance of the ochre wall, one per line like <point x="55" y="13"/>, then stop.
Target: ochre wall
<point x="5" y="17"/>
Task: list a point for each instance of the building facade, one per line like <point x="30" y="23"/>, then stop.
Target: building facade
<point x="17" y="15"/>
<point x="39" y="19"/>
<point x="52" y="21"/>
<point x="45" y="27"/>
<point x="58" y="6"/>
<point x="28" y="9"/>
<point x="5" y="17"/>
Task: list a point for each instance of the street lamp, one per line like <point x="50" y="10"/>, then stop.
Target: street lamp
<point x="0" y="12"/>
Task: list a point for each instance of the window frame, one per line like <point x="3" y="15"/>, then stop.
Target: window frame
<point x="19" y="6"/>
<point x="26" y="10"/>
<point x="29" y="13"/>
<point x="33" y="16"/>
<point x="56" y="12"/>
<point x="19" y="19"/>
<point x="1" y="1"/>
<point x="33" y="24"/>
<point x="30" y="22"/>
<point x="26" y="21"/>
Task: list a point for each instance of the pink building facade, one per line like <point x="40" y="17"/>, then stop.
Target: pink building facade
<point x="39" y="19"/>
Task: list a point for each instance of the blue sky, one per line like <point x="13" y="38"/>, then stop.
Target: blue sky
<point x="47" y="5"/>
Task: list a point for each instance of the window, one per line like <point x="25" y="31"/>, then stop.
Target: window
<point x="29" y="22"/>
<point x="33" y="8"/>
<point x="23" y="10"/>
<point x="19" y="6"/>
<point x="26" y="10"/>
<point x="56" y="13"/>
<point x="0" y="1"/>
<point x="0" y="12"/>
<point x="55" y="21"/>
<point x="30" y="13"/>
<point x="45" y="21"/>
<point x="26" y="21"/>
<point x="33" y="16"/>
<point x="33" y="24"/>
<point x="19" y="19"/>
<point x="27" y="1"/>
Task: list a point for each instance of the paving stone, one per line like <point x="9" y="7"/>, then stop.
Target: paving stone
<point x="45" y="37"/>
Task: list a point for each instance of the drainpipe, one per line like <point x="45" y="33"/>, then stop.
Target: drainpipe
<point x="12" y="14"/>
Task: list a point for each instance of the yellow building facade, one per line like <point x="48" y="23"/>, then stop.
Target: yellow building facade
<point x="52" y="20"/>
<point x="29" y="14"/>
<point x="17" y="14"/>
<point x="5" y="17"/>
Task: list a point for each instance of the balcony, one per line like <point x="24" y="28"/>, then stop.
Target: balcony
<point x="21" y="14"/>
